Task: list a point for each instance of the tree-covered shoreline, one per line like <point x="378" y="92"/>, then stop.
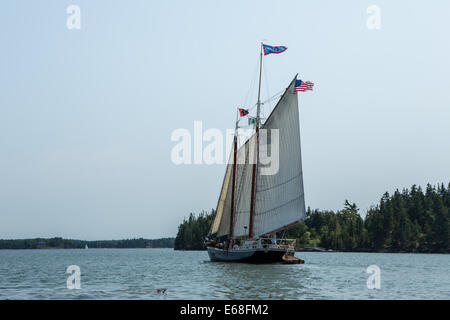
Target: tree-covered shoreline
<point x="192" y="232"/>
<point x="60" y="243"/>
<point x="411" y="220"/>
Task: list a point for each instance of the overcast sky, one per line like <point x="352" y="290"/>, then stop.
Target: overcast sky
<point x="86" y="115"/>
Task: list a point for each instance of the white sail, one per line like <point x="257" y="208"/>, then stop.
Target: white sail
<point x="279" y="197"/>
<point x="221" y="223"/>
<point x="244" y="171"/>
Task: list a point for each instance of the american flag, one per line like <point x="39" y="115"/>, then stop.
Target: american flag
<point x="303" y="85"/>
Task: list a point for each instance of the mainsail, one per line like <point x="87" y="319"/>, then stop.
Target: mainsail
<point x="279" y="198"/>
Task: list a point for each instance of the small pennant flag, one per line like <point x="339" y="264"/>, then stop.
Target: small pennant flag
<point x="271" y="49"/>
<point x="243" y="112"/>
<point x="303" y="85"/>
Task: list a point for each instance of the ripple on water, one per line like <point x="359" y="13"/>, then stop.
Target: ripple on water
<point x="137" y="273"/>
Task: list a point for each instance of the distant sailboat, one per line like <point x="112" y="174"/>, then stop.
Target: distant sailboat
<point x="253" y="207"/>
<point x="86" y="247"/>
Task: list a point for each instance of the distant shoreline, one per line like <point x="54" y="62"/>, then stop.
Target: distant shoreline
<point x="61" y="243"/>
<point x="51" y="248"/>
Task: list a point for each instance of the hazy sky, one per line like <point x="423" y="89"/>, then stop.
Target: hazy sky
<point x="86" y="115"/>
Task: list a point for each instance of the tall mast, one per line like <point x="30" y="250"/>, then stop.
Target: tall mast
<point x="233" y="186"/>
<point x="258" y="111"/>
<point x="258" y="108"/>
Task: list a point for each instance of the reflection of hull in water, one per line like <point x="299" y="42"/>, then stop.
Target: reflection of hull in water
<point x="269" y="255"/>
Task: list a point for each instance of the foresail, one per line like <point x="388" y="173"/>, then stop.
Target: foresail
<point x="221" y="223"/>
<point x="244" y="166"/>
<point x="279" y="197"/>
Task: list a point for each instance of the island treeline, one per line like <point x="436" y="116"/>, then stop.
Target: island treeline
<point x="60" y="243"/>
<point x="413" y="220"/>
<point x="192" y="232"/>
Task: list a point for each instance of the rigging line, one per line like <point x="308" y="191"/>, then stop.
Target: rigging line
<point x="280" y="93"/>
<point x="248" y="91"/>
<point x="280" y="184"/>
<point x="252" y="85"/>
<point x="241" y="181"/>
<point x="252" y="88"/>
<point x="280" y="206"/>
<point x="253" y="107"/>
<point x="267" y="89"/>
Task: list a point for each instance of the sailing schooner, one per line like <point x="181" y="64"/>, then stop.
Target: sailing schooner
<point x="254" y="206"/>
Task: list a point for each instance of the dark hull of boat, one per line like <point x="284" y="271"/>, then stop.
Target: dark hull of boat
<point x="247" y="256"/>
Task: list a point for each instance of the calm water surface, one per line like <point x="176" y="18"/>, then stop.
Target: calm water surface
<point x="134" y="273"/>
